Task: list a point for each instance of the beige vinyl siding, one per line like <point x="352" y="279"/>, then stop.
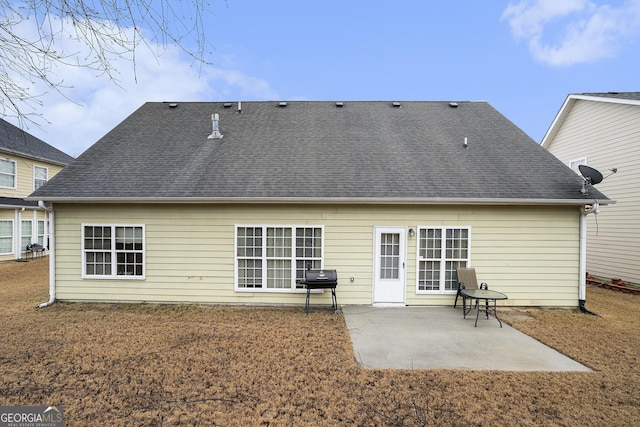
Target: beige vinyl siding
<point x="530" y="253"/>
<point x="608" y="135"/>
<point x="24" y="175"/>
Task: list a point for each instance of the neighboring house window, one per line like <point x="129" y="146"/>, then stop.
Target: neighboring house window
<point x="41" y="233"/>
<point x="27" y="233"/>
<point x="441" y="250"/>
<point x="40" y="176"/>
<point x="6" y="236"/>
<point x="7" y="173"/>
<point x="271" y="258"/>
<point x="113" y="251"/>
<point x="573" y="164"/>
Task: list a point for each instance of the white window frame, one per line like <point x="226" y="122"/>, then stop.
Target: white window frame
<point x="9" y="236"/>
<point x="35" y="176"/>
<point x="442" y="259"/>
<point x="25" y="239"/>
<point x="264" y="257"/>
<point x="573" y="164"/>
<point x="41" y="233"/>
<point x="114" y="253"/>
<point x="14" y="175"/>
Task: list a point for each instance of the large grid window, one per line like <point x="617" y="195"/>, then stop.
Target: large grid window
<point x="6" y="236"/>
<point x="7" y="173"/>
<point x="441" y="251"/>
<point x="271" y="258"/>
<point x="113" y="251"/>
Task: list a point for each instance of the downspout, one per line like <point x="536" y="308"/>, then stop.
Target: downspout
<point x="52" y="256"/>
<point x="582" y="289"/>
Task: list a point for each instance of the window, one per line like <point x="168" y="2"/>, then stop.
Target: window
<point x="441" y="250"/>
<point x="271" y="258"/>
<point x="573" y="164"/>
<point x="41" y="232"/>
<point x="40" y="176"/>
<point x="113" y="251"/>
<point x="7" y="173"/>
<point x="6" y="236"/>
<point x="27" y="233"/>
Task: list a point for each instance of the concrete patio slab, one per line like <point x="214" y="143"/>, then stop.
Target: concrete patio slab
<point x="439" y="338"/>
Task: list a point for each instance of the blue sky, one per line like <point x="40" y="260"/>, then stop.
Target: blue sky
<point x="523" y="57"/>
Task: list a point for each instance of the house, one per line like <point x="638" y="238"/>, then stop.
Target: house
<point x="602" y="130"/>
<point x="26" y="163"/>
<point x="212" y="202"/>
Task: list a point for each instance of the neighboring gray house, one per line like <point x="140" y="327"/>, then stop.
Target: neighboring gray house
<point x="602" y="130"/>
<point x="26" y="163"/>
<point x="212" y="202"/>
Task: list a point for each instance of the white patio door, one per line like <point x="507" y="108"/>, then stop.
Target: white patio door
<point x="389" y="265"/>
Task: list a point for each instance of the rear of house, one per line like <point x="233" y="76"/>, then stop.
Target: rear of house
<point x="602" y="130"/>
<point x="230" y="203"/>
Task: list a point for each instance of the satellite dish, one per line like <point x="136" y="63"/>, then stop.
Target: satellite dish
<point x="593" y="176"/>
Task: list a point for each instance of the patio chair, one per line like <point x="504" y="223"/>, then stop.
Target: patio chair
<point x="467" y="280"/>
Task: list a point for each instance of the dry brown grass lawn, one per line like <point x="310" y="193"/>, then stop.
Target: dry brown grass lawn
<point x="169" y="365"/>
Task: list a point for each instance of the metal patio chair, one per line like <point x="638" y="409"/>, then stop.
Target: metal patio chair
<point x="467" y="280"/>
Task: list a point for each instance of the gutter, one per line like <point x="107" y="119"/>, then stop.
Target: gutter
<point x="326" y="200"/>
<point x="52" y="256"/>
<point x="582" y="288"/>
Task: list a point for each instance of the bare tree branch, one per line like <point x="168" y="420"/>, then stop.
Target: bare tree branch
<point x="31" y="31"/>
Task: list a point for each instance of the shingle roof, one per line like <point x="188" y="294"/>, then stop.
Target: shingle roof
<point x="13" y="202"/>
<point x="14" y="140"/>
<point x="311" y="150"/>
<point x="634" y="96"/>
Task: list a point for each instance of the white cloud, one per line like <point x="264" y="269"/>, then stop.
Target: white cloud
<point x="93" y="104"/>
<point x="567" y="32"/>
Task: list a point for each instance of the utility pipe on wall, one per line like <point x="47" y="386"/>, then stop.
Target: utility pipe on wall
<point x="582" y="288"/>
<point x="52" y="256"/>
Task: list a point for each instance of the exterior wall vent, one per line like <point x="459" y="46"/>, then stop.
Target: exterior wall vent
<point x="215" y="121"/>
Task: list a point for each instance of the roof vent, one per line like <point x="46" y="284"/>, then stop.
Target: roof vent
<point x="282" y="104"/>
<point x="227" y="105"/>
<point x="339" y="104"/>
<point x="453" y="104"/>
<point x="215" y="120"/>
<point x="173" y="105"/>
<point x="396" y="104"/>
<point x="239" y="107"/>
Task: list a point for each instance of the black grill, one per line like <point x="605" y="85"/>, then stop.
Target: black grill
<point x="321" y="279"/>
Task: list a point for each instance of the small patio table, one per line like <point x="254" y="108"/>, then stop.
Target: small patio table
<point x="486" y="295"/>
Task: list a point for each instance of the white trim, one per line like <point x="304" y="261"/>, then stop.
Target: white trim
<point x="443" y="259"/>
<point x="293" y="258"/>
<point x="114" y="252"/>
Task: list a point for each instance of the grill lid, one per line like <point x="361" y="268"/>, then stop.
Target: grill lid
<point x="321" y="276"/>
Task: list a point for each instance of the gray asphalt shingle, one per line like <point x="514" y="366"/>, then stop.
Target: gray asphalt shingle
<point x="314" y="149"/>
<point x="16" y="141"/>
